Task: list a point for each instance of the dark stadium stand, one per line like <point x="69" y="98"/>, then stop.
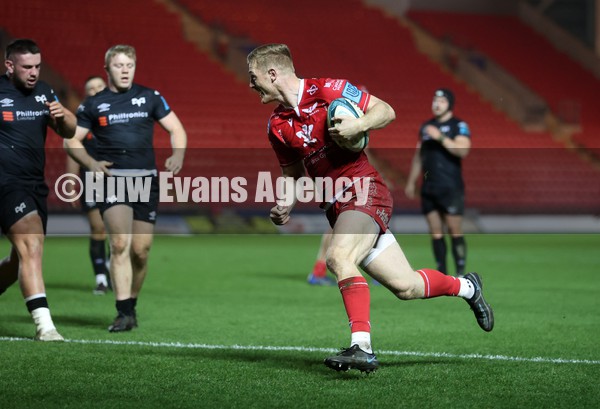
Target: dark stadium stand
<point x="570" y="90"/>
<point x="384" y="58"/>
<point x="509" y="170"/>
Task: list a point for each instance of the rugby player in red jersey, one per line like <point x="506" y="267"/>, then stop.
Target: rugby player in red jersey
<point x="304" y="144"/>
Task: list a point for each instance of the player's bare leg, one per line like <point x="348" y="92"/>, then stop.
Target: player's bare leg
<point x="392" y="269"/>
<point x="143" y="235"/>
<point x="27" y="238"/>
<point x="9" y="270"/>
<point x="119" y="223"/>
<point x="354" y="235"/>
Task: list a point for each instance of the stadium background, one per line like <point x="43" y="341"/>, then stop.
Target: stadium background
<point x="525" y="75"/>
<point x="228" y="320"/>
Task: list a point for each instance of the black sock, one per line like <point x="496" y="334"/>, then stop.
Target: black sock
<point x="459" y="251"/>
<point x="41" y="302"/>
<point x="439" y="252"/>
<point x="133" y="303"/>
<point x="125" y="307"/>
<point x="98" y="256"/>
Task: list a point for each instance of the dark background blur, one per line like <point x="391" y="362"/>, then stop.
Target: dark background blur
<point x="525" y="75"/>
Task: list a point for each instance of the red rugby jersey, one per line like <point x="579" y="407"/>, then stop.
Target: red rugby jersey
<point x="301" y="133"/>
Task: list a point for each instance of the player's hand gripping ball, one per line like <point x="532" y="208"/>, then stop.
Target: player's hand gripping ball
<point x="343" y="107"/>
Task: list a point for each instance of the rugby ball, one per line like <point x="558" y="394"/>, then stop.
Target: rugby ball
<point x="342" y="107"/>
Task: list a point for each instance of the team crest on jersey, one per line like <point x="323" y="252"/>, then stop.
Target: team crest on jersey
<point x="103" y="107"/>
<point x="311" y="109"/>
<point x="138" y="101"/>
<point x="312" y="90"/>
<point x="6" y="102"/>
<point x="305" y="135"/>
<point x="41" y="98"/>
<point x="20" y="208"/>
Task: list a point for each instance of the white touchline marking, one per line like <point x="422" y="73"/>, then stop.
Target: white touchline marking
<point x="311" y="349"/>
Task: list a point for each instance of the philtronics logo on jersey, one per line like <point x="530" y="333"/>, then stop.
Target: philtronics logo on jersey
<point x="7" y="116"/>
<point x="30" y="115"/>
<point x="120" y="118"/>
<point x="125" y="117"/>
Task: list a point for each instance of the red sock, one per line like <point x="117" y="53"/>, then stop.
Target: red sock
<point x="320" y="269"/>
<point x="357" y="300"/>
<point x="437" y="283"/>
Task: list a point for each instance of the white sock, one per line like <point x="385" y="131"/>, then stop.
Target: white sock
<point x="101" y="279"/>
<point x="467" y="289"/>
<point x="363" y="340"/>
<point x="42" y="319"/>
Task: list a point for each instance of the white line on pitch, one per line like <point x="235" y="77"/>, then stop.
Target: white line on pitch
<point x="324" y="350"/>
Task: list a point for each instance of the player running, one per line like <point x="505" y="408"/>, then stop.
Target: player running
<point x="303" y="144"/>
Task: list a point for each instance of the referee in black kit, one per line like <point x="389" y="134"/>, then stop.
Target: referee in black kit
<point x="444" y="141"/>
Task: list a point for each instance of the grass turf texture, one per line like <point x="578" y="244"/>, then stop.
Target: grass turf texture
<point x="251" y="290"/>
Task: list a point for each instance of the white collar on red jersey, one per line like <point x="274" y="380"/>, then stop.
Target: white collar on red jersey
<point x="300" y="92"/>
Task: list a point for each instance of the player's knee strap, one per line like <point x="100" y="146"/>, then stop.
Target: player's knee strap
<point x="382" y="243"/>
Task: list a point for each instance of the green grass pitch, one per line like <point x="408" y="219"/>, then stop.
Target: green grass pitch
<point x="229" y="321"/>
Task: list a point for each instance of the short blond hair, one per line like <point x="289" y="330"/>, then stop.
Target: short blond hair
<point x="128" y="50"/>
<point x="278" y="55"/>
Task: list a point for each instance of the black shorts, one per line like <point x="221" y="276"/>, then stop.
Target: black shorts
<point x="444" y="200"/>
<point x="86" y="206"/>
<point x="144" y="206"/>
<point x="20" y="200"/>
